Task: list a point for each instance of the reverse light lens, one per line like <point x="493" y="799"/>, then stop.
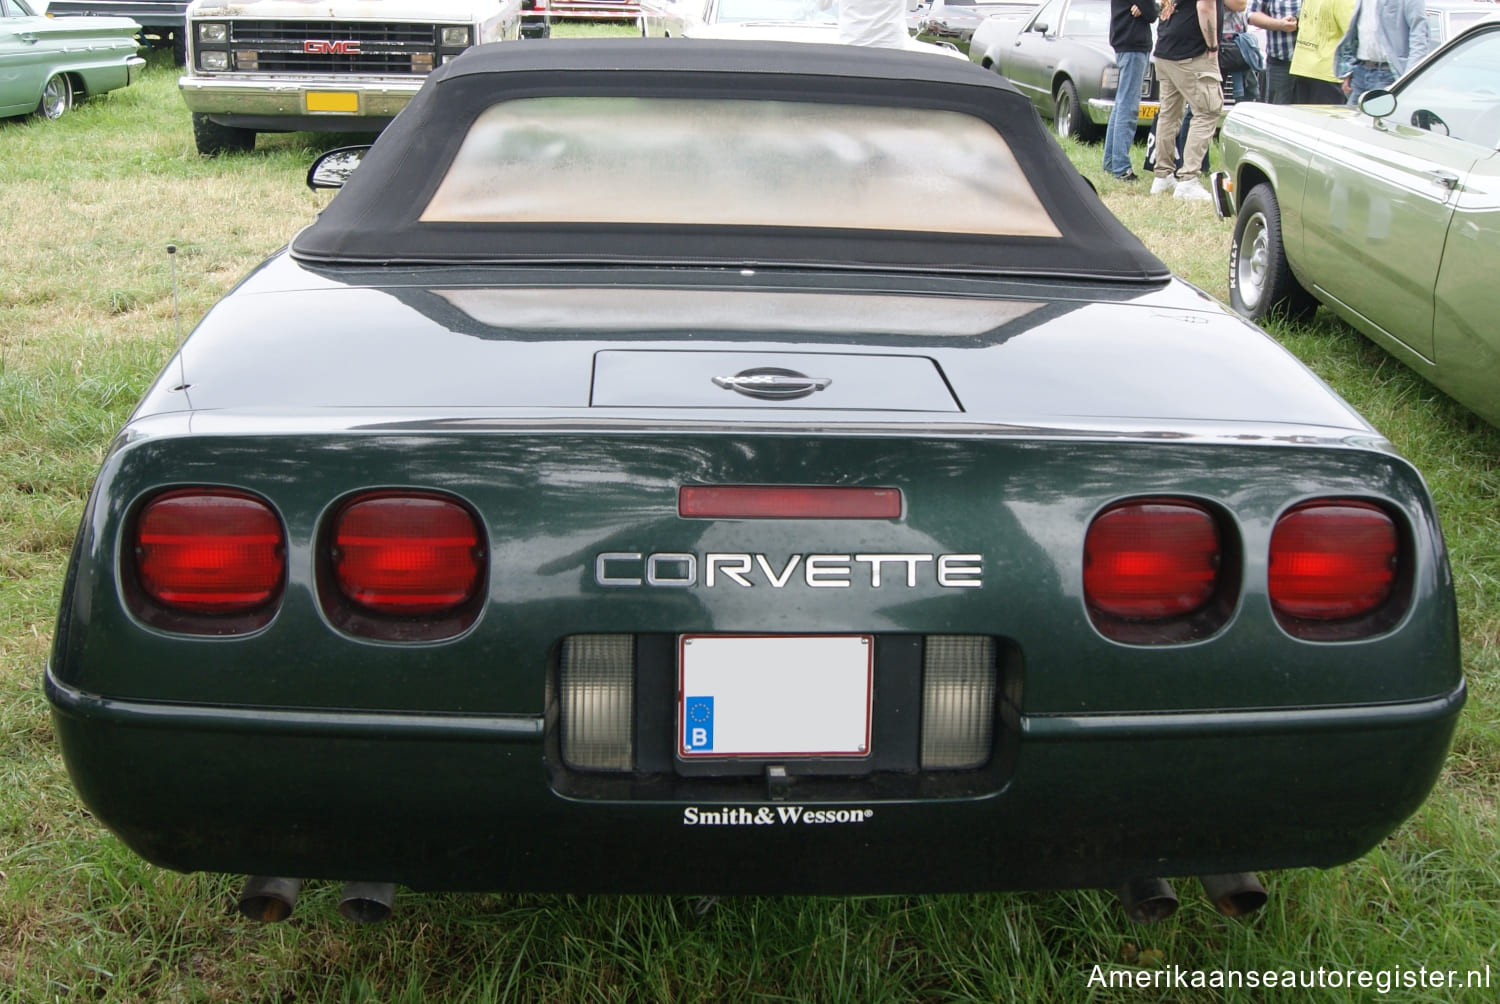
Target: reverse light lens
<point x="209" y="551"/>
<point x="1151" y="559"/>
<point x="958" y="701"/>
<point x="1332" y="560"/>
<point x="596" y="690"/>
<point x="407" y="554"/>
<point x="213" y="32"/>
<point x="787" y="502"/>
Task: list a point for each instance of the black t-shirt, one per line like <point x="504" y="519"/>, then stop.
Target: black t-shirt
<point x="1128" y="33"/>
<point x="1180" y="36"/>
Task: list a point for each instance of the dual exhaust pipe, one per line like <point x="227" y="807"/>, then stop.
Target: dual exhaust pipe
<point x="270" y="899"/>
<point x="1234" y="894"/>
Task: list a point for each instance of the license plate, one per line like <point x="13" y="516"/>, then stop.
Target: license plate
<point x="1149" y="111"/>
<point x="774" y="696"/>
<point x="332" y="101"/>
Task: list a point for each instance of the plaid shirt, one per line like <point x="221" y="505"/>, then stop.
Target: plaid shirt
<point x="1279" y="44"/>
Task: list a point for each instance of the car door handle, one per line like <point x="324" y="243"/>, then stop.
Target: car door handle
<point x="1445" y="178"/>
<point x="28" y="38"/>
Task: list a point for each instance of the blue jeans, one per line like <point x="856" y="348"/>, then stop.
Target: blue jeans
<point x="1367" y="79"/>
<point x="1123" y="118"/>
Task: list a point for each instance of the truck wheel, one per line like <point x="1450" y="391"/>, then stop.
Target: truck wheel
<point x="57" y="97"/>
<point x="214" y="139"/>
<point x="1260" y="278"/>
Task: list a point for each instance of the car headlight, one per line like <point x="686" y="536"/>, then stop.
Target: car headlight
<point x="213" y="32"/>
<point x="455" y="37"/>
<point x="1111" y="79"/>
<point x="213" y="60"/>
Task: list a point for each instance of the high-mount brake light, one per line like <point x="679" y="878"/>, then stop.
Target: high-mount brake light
<point x="1333" y="559"/>
<point x="787" y="502"/>
<point x="407" y="554"/>
<point x="1153" y="558"/>
<point x="209" y="551"/>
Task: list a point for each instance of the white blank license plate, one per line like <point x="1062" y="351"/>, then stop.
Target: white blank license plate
<point x="759" y="696"/>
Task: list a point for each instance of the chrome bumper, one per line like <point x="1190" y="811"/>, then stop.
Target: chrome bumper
<point x="1223" y="197"/>
<point x="230" y="96"/>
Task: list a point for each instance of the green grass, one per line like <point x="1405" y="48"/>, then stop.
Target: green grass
<point x="86" y="318"/>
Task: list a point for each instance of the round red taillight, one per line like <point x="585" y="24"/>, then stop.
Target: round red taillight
<point x="1333" y="559"/>
<point x="211" y="551"/>
<point x="407" y="554"/>
<point x="1151" y="559"/>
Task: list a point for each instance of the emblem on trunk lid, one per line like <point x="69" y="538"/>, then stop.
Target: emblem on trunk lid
<point x="772" y="383"/>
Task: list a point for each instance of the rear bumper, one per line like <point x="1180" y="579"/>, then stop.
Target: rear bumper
<point x="282" y="103"/>
<point x="476" y="802"/>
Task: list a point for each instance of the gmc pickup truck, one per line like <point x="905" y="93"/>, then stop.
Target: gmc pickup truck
<point x="337" y="66"/>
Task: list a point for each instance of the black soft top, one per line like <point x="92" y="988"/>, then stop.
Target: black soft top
<point x="378" y="216"/>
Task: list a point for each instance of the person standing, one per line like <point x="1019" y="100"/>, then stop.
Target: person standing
<point x="1322" y="26"/>
<point x="1385" y="38"/>
<point x="1279" y="18"/>
<point x="1130" y="36"/>
<point x="1187" y="71"/>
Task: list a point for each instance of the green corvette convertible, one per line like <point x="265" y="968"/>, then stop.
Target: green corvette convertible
<point x="743" y="468"/>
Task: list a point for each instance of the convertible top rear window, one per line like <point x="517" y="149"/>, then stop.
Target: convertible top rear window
<point x="737" y="163"/>
<point x="736" y="154"/>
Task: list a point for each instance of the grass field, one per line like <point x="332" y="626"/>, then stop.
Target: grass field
<point x="88" y="206"/>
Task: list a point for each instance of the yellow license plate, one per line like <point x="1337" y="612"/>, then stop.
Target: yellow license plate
<point x="1149" y="111"/>
<point x="332" y="101"/>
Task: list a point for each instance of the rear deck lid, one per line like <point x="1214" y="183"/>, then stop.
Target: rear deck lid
<point x="627" y="378"/>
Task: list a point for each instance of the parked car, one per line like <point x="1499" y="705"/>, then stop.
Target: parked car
<point x="764" y="20"/>
<point x="1446" y="18"/>
<point x="954" y="21"/>
<point x="341" y="66"/>
<point x="1061" y="59"/>
<point x="47" y="63"/>
<point x="163" y="22"/>
<point x="858" y="507"/>
<point x="1387" y="215"/>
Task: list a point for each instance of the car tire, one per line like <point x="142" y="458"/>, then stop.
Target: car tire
<point x="57" y="97"/>
<point x="214" y="139"/>
<point x="1261" y="282"/>
<point x="1067" y="114"/>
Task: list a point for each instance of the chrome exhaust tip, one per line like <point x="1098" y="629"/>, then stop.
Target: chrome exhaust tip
<point x="367" y="902"/>
<point x="1235" y="894"/>
<point x="1148" y="900"/>
<point x="268" y="898"/>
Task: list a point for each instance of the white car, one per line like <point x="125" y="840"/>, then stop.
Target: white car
<point x="767" y="20"/>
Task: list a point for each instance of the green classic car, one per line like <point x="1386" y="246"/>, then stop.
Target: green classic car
<point x="48" y="63"/>
<point x="853" y="507"/>
<point x="1389" y="215"/>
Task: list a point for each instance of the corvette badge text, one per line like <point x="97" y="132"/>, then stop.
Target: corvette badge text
<point x="766" y="815"/>
<point x="817" y="571"/>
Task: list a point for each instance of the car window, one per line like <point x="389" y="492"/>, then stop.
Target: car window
<point x="1457" y="94"/>
<point x="1046" y="17"/>
<point x="798" y="165"/>
<point x="1087" y="18"/>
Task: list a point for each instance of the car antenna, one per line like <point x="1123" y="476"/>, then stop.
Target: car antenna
<point x="182" y="383"/>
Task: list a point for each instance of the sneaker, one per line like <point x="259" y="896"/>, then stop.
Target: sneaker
<point x="1129" y="175"/>
<point x="1161" y="184"/>
<point x="1191" y="191"/>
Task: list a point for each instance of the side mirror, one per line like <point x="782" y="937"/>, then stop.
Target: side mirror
<point x="1377" y="103"/>
<point x="332" y="169"/>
